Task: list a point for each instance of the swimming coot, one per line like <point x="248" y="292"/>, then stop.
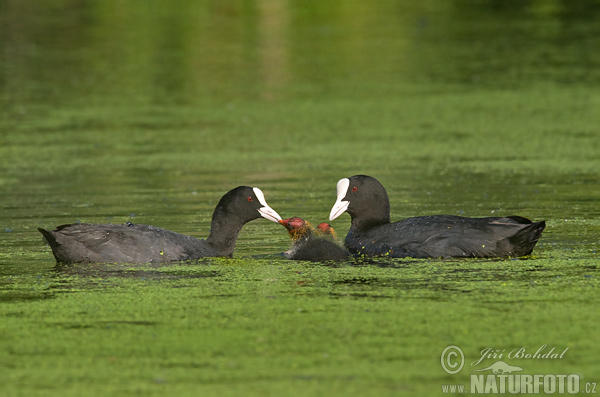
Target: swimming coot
<point x="312" y="245"/>
<point x="129" y="243"/>
<point x="372" y="234"/>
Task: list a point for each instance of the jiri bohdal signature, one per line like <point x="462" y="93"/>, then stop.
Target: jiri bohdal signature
<point x="524" y="352"/>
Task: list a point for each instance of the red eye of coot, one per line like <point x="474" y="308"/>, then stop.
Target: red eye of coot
<point x="250" y="199"/>
<point x="354" y="189"/>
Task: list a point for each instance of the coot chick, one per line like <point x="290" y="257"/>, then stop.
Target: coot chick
<point x="129" y="243"/>
<point x="309" y="245"/>
<point x="325" y="229"/>
<point x="372" y="234"/>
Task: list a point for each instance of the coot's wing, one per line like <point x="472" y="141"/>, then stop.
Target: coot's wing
<point x="127" y="243"/>
<point x="454" y="236"/>
<point x="162" y="245"/>
<point x="451" y="236"/>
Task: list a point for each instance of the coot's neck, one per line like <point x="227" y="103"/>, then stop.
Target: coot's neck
<point x="363" y="223"/>
<point x="224" y="230"/>
<point x="375" y="213"/>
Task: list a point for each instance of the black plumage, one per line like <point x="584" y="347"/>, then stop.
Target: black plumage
<point x="371" y="232"/>
<point x="129" y="243"/>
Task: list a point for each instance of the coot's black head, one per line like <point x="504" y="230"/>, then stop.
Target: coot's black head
<point x="364" y="198"/>
<point x="245" y="204"/>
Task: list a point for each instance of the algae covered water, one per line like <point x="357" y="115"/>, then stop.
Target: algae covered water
<point x="113" y="113"/>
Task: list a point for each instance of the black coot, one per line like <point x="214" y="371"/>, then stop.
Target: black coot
<point x="312" y="245"/>
<point x="371" y="232"/>
<point x="129" y="243"/>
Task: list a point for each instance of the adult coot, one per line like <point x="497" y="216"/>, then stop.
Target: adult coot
<point x="312" y="245"/>
<point x="129" y="243"/>
<point x="371" y="232"/>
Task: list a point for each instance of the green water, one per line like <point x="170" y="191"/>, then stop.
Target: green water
<point x="112" y="112"/>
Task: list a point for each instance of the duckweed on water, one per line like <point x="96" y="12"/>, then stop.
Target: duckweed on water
<point x="264" y="325"/>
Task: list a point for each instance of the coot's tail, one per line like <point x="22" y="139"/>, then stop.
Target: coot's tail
<point x="525" y="239"/>
<point x="51" y="239"/>
<point x="48" y="236"/>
